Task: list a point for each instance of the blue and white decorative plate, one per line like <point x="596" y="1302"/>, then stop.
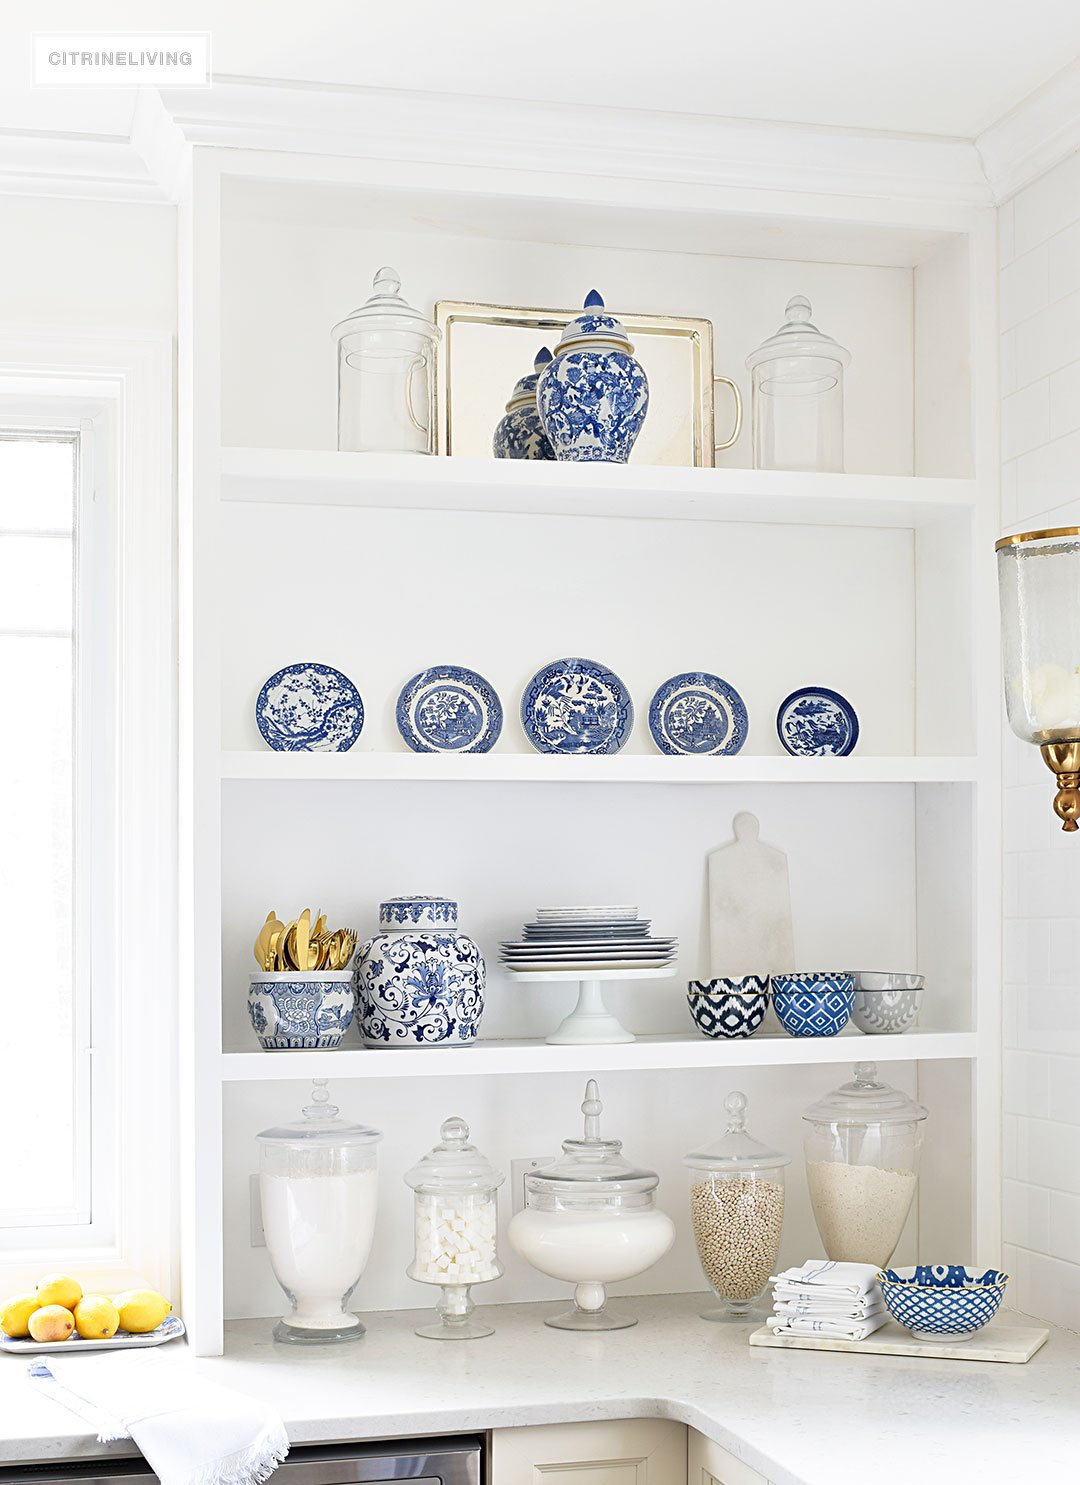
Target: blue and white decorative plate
<point x="309" y="708"/>
<point x="697" y="713"/>
<point x="815" y="722"/>
<point x="448" y="709"/>
<point x="576" y="706"/>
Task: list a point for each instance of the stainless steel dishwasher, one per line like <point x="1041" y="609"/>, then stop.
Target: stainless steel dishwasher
<point x="444" y="1461"/>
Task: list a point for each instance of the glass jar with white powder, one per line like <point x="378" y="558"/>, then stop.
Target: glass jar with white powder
<point x="591" y="1219"/>
<point x="456" y="1219"/>
<point x="862" y="1145"/>
<point x="319" y="1185"/>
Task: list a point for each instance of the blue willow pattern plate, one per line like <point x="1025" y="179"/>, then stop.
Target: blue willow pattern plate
<point x="576" y="706"/>
<point x="309" y="708"/>
<point x="448" y="709"/>
<point x="815" y="722"/>
<point x="697" y="713"/>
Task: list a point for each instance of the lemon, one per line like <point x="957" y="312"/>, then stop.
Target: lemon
<point x="96" y="1318"/>
<point x="141" y="1310"/>
<point x="15" y="1312"/>
<point x="51" y="1323"/>
<point x="58" y="1289"/>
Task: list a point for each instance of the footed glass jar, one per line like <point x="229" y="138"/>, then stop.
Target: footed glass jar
<point x="862" y="1146"/>
<point x="319" y="1187"/>
<point x="456" y="1230"/>
<point x="419" y="980"/>
<point x="737" y="1208"/>
<point x="591" y="1219"/>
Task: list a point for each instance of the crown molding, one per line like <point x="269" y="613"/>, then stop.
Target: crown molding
<point x="1034" y="137"/>
<point x="452" y="129"/>
<point x="79" y="167"/>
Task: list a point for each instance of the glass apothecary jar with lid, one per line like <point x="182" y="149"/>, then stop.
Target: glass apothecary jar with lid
<point x="737" y="1210"/>
<point x="862" y="1144"/>
<point x="798" y="396"/>
<point x="386" y="374"/>
<point x="591" y="1219"/>
<point x="456" y="1217"/>
<point x="319" y="1188"/>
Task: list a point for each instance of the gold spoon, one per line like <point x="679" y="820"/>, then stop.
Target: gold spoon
<point x="263" y="939"/>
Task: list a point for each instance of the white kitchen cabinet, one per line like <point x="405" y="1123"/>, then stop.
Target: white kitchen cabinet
<point x="639" y="1451"/>
<point x="709" y="1464"/>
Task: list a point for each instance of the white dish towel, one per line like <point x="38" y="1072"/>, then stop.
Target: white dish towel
<point x="824" y="1279"/>
<point x="190" y="1432"/>
<point x="846" y="1330"/>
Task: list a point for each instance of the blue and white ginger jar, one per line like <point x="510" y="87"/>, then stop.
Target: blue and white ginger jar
<point x="419" y="980"/>
<point x="594" y="395"/>
<point x="520" y="433"/>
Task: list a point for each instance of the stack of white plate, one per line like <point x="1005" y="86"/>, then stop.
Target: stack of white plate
<point x="593" y="940"/>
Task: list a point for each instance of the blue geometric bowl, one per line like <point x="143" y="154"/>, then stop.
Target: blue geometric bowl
<point x="728" y="1007"/>
<point x="813" y="1004"/>
<point x="942" y="1299"/>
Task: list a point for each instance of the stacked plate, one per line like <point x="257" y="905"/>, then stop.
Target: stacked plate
<point x="589" y="940"/>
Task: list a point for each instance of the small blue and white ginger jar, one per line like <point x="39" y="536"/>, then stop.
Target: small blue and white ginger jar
<point x="294" y="1012"/>
<point x="594" y="395"/>
<point x="419" y="980"/>
<point x="520" y="433"/>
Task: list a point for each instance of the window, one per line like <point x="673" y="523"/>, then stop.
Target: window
<point x="87" y="812"/>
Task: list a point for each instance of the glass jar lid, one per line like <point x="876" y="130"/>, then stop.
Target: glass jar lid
<point x="525" y="388"/>
<point x="320" y="1126"/>
<point x="591" y="1165"/>
<point x="593" y="325"/>
<point x="387" y="310"/>
<point x="454" y="1164"/>
<point x="865" y="1101"/>
<point x="797" y="336"/>
<point x="736" y="1150"/>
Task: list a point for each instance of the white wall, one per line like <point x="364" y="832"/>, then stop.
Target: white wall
<point x="1040" y="361"/>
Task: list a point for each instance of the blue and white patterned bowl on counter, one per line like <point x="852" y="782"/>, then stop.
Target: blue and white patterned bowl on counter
<point x="942" y="1299"/>
<point x="293" y="1012"/>
<point x="728" y="1008"/>
<point x="813" y="1004"/>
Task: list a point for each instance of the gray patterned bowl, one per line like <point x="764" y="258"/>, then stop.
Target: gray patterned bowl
<point x="728" y="1008"/>
<point x="886" y="1004"/>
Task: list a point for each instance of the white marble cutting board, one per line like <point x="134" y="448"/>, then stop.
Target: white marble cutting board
<point x="749" y="905"/>
<point x="995" y="1343"/>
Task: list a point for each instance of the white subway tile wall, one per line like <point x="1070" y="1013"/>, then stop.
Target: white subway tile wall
<point x="1039" y="242"/>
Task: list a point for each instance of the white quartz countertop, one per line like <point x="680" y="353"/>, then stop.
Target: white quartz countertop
<point x="798" y="1417"/>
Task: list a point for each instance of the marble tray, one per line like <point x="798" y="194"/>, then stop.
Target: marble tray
<point x="995" y="1343"/>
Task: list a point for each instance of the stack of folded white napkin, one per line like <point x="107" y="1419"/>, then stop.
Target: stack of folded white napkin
<point x="825" y="1298"/>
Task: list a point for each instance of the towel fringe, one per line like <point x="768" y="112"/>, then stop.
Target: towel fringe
<point x="251" y="1466"/>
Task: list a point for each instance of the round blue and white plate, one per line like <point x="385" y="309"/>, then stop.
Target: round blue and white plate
<point x="576" y="706"/>
<point x="815" y="722"/>
<point x="697" y="713"/>
<point x="448" y="709"/>
<point x="309" y="708"/>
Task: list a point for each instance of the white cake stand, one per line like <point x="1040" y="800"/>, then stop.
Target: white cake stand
<point x="590" y="1023"/>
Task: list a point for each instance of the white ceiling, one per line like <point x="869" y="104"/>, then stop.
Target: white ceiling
<point x="940" y="67"/>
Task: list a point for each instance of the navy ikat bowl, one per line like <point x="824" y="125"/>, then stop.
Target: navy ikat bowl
<point x="728" y="1008"/>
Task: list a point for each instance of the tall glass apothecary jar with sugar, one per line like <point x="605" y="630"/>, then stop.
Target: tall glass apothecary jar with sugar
<point x="386" y="374"/>
<point x="319" y="1185"/>
<point x="798" y="396"/>
<point x="456" y="1220"/>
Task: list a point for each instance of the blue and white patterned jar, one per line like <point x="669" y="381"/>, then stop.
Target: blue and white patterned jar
<point x="419" y="980"/>
<point x="294" y="1011"/>
<point x="520" y="433"/>
<point x="594" y="396"/>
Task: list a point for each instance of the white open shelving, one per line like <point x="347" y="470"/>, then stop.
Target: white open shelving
<point x="293" y="550"/>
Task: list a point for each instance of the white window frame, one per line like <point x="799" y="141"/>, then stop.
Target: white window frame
<point x="117" y="395"/>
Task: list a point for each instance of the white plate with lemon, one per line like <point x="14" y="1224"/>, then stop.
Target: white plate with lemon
<point x="58" y="1316"/>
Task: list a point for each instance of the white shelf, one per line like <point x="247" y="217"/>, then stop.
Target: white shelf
<point x="647" y="1053"/>
<point x="631" y="768"/>
<point x="401" y="481"/>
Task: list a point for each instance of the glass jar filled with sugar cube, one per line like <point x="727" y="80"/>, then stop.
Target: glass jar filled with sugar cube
<point x="456" y="1214"/>
<point x="737" y="1210"/>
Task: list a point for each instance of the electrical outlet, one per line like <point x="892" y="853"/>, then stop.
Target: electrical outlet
<point x="519" y="1169"/>
<point x="258" y="1236"/>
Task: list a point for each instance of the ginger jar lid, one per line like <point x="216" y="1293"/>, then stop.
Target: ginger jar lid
<point x="593" y="325"/>
<point x="736" y="1150"/>
<point x="591" y="1165"/>
<point x="386" y="310"/>
<point x="525" y="388"/>
<point x="454" y="1164"/>
<point x="797" y="336"/>
<point x="423" y="911"/>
